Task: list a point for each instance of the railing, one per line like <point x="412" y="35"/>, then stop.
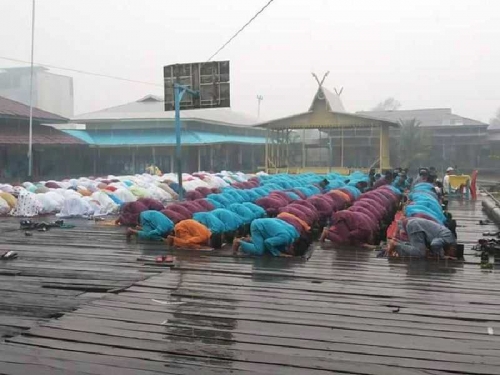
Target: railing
<point x="493" y="198"/>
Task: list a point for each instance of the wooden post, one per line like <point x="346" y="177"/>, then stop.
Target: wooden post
<point x="330" y="151"/>
<point x="384" y="147"/>
<point x="95" y="162"/>
<point x="253" y="158"/>
<point x="172" y="156"/>
<point x="266" y="164"/>
<point x="320" y="150"/>
<point x="342" y="147"/>
<point x="211" y="158"/>
<point x="303" y="148"/>
<point x="133" y="160"/>
<point x="199" y="158"/>
<point x="287" y="151"/>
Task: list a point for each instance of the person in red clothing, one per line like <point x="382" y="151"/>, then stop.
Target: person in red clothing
<point x="350" y="228"/>
<point x="151" y="204"/>
<point x="129" y="214"/>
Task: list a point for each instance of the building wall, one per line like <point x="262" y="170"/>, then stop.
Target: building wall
<point x="15" y="85"/>
<point x="55" y="94"/>
<point x="132" y="160"/>
<point x="51" y="92"/>
<point x="466" y="147"/>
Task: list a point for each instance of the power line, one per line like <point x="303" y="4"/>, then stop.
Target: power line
<point x="134" y="80"/>
<point x="240" y="30"/>
<point x="83" y="72"/>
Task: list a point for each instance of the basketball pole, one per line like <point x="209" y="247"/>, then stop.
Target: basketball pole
<point x="179" y="91"/>
<point x="30" y="138"/>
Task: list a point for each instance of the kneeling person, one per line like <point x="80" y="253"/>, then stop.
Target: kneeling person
<point x="153" y="225"/>
<point x="422" y="233"/>
<point x="190" y="234"/>
<point x="272" y="236"/>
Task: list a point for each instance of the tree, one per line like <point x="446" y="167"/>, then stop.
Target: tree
<point x="389" y="104"/>
<point x="495" y="121"/>
<point x="414" y="144"/>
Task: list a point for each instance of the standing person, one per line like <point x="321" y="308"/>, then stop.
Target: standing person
<point x="371" y="177"/>
<point x="425" y="235"/>
<point x="446" y="180"/>
<point x="153" y="225"/>
<point x="153" y="170"/>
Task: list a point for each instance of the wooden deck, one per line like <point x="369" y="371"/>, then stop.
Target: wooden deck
<point x="343" y="311"/>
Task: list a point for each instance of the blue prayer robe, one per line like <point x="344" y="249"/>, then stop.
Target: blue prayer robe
<point x="231" y="220"/>
<point x="269" y="235"/>
<point x="155" y="226"/>
<point x="210" y="221"/>
<point x="245" y="213"/>
<point x="257" y="210"/>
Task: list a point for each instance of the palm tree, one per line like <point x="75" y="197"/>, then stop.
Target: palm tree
<point x="414" y="144"/>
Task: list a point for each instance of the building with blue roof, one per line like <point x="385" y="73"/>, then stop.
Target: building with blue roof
<point x="125" y="138"/>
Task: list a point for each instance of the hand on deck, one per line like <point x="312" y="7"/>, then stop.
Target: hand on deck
<point x="323" y="235"/>
<point x="169" y="240"/>
<point x="236" y="246"/>
<point x="131" y="232"/>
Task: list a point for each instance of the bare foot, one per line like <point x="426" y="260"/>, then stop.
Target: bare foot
<point x="169" y="240"/>
<point x="323" y="235"/>
<point x="236" y="246"/>
<point x="130" y="233"/>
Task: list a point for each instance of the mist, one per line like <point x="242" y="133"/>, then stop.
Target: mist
<point x="423" y="54"/>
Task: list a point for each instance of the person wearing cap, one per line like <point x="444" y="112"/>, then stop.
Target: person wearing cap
<point x="425" y="237"/>
<point x="423" y="175"/>
<point x="386" y="180"/>
<point x="446" y="180"/>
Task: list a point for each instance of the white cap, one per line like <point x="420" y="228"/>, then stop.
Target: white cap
<point x="449" y="169"/>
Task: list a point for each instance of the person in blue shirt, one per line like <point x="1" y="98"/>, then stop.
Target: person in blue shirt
<point x="231" y="220"/>
<point x="216" y="226"/>
<point x="258" y="211"/>
<point x="273" y="236"/>
<point x="153" y="226"/>
<point x="244" y="212"/>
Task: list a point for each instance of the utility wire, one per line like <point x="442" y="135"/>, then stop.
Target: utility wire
<point x="240" y="30"/>
<point x="82" y="72"/>
<point x="134" y="80"/>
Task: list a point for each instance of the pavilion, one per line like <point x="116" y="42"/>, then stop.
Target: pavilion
<point x="288" y="145"/>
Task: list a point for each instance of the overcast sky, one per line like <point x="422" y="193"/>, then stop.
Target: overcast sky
<point x="425" y="53"/>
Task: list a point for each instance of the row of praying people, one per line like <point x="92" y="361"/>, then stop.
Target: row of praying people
<point x="422" y="229"/>
<point x="293" y="211"/>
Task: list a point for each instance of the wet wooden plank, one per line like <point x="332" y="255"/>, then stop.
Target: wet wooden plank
<point x="214" y="313"/>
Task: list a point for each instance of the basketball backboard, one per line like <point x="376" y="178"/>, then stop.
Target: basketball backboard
<point x="210" y="79"/>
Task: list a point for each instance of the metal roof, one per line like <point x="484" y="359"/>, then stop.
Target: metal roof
<point x="150" y="137"/>
<point x="18" y="134"/>
<point x="494" y="126"/>
<point x="151" y="107"/>
<point x="12" y="109"/>
<point x="332" y="100"/>
<point x="325" y="112"/>
<point x="428" y="117"/>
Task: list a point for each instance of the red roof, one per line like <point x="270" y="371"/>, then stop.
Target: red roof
<point x="13" y="109"/>
<point x="11" y="134"/>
